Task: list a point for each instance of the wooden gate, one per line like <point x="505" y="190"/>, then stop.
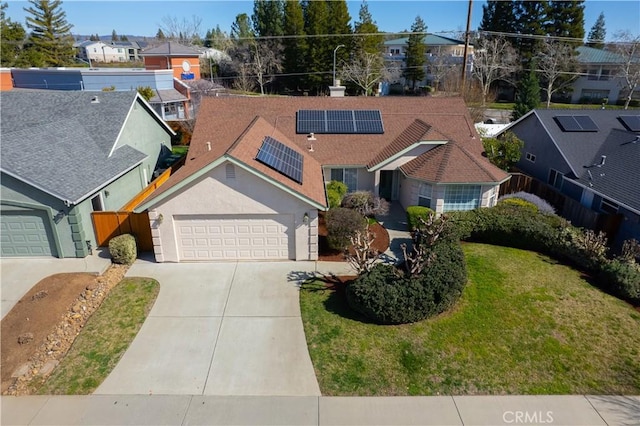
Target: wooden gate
<point x="111" y="224"/>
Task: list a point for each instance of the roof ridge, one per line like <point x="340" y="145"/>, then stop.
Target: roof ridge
<point x="445" y="160"/>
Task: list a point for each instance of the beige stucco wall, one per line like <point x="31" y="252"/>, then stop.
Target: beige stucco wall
<point x="246" y="194"/>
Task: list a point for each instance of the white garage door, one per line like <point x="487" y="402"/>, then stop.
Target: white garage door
<point x="265" y="237"/>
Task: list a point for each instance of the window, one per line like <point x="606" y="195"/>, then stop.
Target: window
<point x="531" y="157"/>
<point x="424" y="195"/>
<point x="555" y="179"/>
<point x="604" y="75"/>
<point x="608" y="206"/>
<point x="593" y="74"/>
<point x="461" y="197"/>
<point x="347" y="176"/>
<point x="594" y="95"/>
<point x="97" y="203"/>
<point x="492" y="197"/>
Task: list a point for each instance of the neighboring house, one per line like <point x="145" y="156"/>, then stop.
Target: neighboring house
<point x="65" y="154"/>
<point x="592" y="156"/>
<point x="599" y="81"/>
<point x="172" y="100"/>
<point x="183" y="60"/>
<point x="440" y="52"/>
<point x="255" y="176"/>
<point x="115" y="51"/>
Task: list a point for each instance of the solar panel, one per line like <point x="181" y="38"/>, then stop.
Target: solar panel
<point x="281" y="158"/>
<point x="339" y="122"/>
<point x="586" y="123"/>
<point x="567" y="123"/>
<point x="631" y="122"/>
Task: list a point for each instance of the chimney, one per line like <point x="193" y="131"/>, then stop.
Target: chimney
<point x="337" y="91"/>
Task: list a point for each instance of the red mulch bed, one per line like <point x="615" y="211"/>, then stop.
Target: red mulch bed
<point x="380" y="242"/>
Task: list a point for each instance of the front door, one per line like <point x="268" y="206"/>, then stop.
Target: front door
<point x="386" y="184"/>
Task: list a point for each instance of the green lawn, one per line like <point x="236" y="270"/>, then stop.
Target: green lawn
<point x="104" y="339"/>
<point x="525" y="325"/>
<point x="179" y="149"/>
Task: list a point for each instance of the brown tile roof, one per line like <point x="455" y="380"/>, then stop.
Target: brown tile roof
<point x="223" y="121"/>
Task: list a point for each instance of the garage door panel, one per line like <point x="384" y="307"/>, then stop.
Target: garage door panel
<point x="25" y="233"/>
<point x="268" y="237"/>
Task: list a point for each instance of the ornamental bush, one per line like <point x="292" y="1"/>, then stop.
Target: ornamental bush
<point x="335" y="192"/>
<point x="622" y="279"/>
<point x="415" y="213"/>
<point x="542" y="205"/>
<point x="341" y="224"/>
<point x="365" y="203"/>
<point x="123" y="249"/>
<point x="386" y="296"/>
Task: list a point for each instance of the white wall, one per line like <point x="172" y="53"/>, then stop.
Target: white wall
<point x="245" y="194"/>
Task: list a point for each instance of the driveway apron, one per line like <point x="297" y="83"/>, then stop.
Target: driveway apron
<point x="219" y="329"/>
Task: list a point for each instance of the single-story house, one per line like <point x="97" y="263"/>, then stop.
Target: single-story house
<point x="589" y="155"/>
<point x="65" y="154"/>
<point x="255" y="175"/>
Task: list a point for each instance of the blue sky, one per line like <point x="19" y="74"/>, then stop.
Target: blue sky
<point x="145" y="17"/>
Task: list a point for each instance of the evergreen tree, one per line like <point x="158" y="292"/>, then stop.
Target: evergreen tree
<point x="319" y="57"/>
<point x="527" y="94"/>
<point x="124" y="38"/>
<point x="416" y="49"/>
<point x="498" y="16"/>
<point x="339" y="25"/>
<point x="531" y="19"/>
<point x="566" y="19"/>
<point x="92" y="37"/>
<point x="160" y="35"/>
<point x="295" y="47"/>
<point x="50" y="37"/>
<point x="114" y="36"/>
<point x="12" y="36"/>
<point x="366" y="25"/>
<point x="597" y="34"/>
<point x="241" y="29"/>
<point x="268" y="17"/>
<point x="220" y="40"/>
<point x="208" y="38"/>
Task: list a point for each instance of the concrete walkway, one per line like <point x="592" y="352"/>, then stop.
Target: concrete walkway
<point x="19" y="275"/>
<point x="219" y="329"/>
<point x="395" y="222"/>
<point x="572" y="410"/>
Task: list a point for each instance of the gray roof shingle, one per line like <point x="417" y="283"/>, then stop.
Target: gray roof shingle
<point x="59" y="141"/>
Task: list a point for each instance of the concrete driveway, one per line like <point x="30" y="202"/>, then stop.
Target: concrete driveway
<point x="219" y="329"/>
<point x="19" y="275"/>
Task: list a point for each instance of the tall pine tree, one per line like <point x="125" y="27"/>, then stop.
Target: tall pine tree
<point x="416" y="49"/>
<point x="566" y="19"/>
<point x="370" y="40"/>
<point x="527" y="94"/>
<point x="531" y="19"/>
<point x="319" y="55"/>
<point x="50" y="37"/>
<point x="597" y="34"/>
<point x="339" y="25"/>
<point x="12" y="36"/>
<point x="498" y="16"/>
<point x="295" y="45"/>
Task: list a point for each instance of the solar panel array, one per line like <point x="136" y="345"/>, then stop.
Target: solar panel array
<point x="576" y="123"/>
<point x="281" y="158"/>
<point x="343" y="121"/>
<point x="631" y="122"/>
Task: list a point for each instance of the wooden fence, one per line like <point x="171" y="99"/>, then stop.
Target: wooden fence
<point x="110" y="224"/>
<point x="566" y="207"/>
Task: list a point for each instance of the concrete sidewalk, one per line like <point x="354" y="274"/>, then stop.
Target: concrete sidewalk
<point x="568" y="410"/>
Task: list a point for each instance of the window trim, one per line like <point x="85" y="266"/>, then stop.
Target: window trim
<point x="610" y="204"/>
<point x="428" y="199"/>
<point x="556" y="182"/>
<point x="343" y="173"/>
<point x="100" y="200"/>
<point x="530" y="157"/>
<point x="447" y="202"/>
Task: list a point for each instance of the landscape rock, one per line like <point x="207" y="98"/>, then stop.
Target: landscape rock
<point x="25" y="338"/>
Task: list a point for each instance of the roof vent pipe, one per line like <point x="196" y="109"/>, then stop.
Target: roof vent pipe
<point x="603" y="158"/>
<point x="95" y="100"/>
<point x="208" y="146"/>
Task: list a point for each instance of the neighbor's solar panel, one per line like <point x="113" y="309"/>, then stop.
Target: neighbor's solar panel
<point x="576" y="123"/>
<point x="339" y="122"/>
<point x="631" y="122"/>
<point x="281" y="158"/>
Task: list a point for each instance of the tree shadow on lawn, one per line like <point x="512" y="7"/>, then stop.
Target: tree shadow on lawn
<point x="336" y="302"/>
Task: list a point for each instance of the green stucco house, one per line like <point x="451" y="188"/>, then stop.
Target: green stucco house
<point x="65" y="154"/>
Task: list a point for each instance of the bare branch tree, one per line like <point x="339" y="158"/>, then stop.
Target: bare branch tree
<point x="424" y="238"/>
<point x="554" y="61"/>
<point x="440" y="66"/>
<point x="244" y="80"/>
<point x="362" y="255"/>
<point x="365" y="71"/>
<point x="184" y="31"/>
<point x="266" y="62"/>
<point x="629" y="70"/>
<point x="495" y="59"/>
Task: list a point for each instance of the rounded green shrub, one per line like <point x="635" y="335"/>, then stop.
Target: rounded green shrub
<point x="335" y="193"/>
<point x="342" y="223"/>
<point x="123" y="249"/>
<point x="622" y="279"/>
<point x="520" y="203"/>
<point x="386" y="296"/>
<point x="414" y="213"/>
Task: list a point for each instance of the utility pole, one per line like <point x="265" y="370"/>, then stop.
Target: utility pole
<point x="466" y="47"/>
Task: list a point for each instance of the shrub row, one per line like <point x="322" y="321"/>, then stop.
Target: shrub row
<point x="514" y="225"/>
<point x="386" y="296"/>
<point x="414" y="214"/>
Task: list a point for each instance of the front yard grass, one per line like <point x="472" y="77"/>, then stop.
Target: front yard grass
<point x="525" y="325"/>
<point x="104" y="338"/>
